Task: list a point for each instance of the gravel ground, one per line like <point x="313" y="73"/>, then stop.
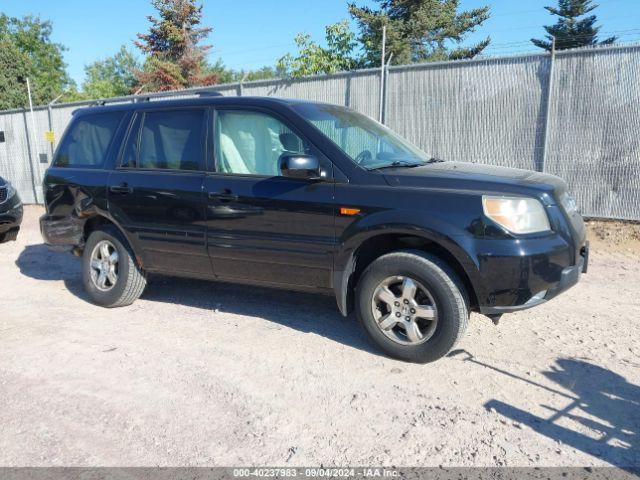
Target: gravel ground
<point x="198" y="373"/>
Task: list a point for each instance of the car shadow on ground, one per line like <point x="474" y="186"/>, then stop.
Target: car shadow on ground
<point x="305" y="312"/>
<point x="600" y="416"/>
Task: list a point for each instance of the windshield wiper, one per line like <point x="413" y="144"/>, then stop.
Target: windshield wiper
<point x="398" y="163"/>
<point x="435" y="160"/>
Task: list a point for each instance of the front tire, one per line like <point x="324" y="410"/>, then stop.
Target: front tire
<point x="412" y="305"/>
<point x="110" y="274"/>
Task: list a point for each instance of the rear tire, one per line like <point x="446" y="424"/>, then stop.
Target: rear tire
<point x="110" y="273"/>
<point x="412" y="305"/>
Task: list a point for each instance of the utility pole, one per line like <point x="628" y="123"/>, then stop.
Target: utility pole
<point x="547" y="115"/>
<point x="382" y="68"/>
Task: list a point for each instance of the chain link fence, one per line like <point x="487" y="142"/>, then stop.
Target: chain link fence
<point x="575" y="114"/>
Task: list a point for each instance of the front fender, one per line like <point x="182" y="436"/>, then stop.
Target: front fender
<point x="456" y="241"/>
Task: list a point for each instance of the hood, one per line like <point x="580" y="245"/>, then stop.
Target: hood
<point x="475" y="176"/>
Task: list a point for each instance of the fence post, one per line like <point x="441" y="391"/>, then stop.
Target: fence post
<point x="29" y="159"/>
<point x="31" y="139"/>
<point x="385" y="88"/>
<point x="240" y="89"/>
<point x="50" y="118"/>
<point x="50" y="121"/>
<point x="382" y="72"/>
<point x="547" y="113"/>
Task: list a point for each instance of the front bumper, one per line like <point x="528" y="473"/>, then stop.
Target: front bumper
<point x="10" y="219"/>
<point x="569" y="276"/>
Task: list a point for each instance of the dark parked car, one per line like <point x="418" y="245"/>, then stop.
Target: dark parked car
<point x="308" y="196"/>
<point x="10" y="212"/>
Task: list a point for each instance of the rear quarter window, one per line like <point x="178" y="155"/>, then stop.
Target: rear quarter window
<point x="87" y="141"/>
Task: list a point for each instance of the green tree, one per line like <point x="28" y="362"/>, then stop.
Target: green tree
<point x="418" y="30"/>
<point x="72" y="94"/>
<point x="15" y="66"/>
<point x="229" y="75"/>
<point x="175" y="59"/>
<point x="111" y="77"/>
<point x="46" y="67"/>
<point x="312" y="58"/>
<point x="264" y="73"/>
<point x="224" y="74"/>
<point x="571" y="31"/>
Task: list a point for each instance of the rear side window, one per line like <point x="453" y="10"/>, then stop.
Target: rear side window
<point x="87" y="142"/>
<point x="171" y="140"/>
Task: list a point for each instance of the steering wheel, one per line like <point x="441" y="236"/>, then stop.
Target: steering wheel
<point x="363" y="156"/>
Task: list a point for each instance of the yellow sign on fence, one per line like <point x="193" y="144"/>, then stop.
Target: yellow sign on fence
<point x="49" y="136"/>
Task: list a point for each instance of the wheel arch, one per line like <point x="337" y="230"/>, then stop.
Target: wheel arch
<point x="355" y="259"/>
<point x="98" y="220"/>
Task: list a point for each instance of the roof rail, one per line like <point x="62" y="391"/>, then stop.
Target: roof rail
<point x="209" y="93"/>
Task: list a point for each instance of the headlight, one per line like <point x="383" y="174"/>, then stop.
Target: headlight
<point x="11" y="191"/>
<point x="516" y="214"/>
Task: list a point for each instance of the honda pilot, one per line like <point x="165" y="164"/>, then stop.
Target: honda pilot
<point x="311" y="197"/>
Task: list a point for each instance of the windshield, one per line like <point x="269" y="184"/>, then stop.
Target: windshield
<point x="368" y="143"/>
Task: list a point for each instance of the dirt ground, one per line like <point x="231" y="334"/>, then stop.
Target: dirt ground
<point x="198" y="373"/>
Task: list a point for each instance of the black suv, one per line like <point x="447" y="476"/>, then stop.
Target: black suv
<point x="10" y="212"/>
<point x="308" y="196"/>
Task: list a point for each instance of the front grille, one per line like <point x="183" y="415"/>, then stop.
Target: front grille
<point x="3" y="194"/>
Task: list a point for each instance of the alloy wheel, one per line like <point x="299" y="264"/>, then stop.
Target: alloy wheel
<point x="404" y="310"/>
<point x="104" y="265"/>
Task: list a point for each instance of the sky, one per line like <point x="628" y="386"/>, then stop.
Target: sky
<point x="249" y="34"/>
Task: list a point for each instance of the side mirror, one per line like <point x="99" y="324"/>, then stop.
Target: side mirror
<point x="297" y="165"/>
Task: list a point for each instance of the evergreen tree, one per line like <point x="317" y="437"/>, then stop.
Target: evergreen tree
<point x="418" y="30"/>
<point x="571" y="31"/>
<point x="175" y="59"/>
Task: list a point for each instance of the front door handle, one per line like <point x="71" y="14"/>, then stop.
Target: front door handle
<point x="223" y="196"/>
<point x="123" y="189"/>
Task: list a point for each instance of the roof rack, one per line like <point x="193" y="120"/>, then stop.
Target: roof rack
<point x="209" y="93"/>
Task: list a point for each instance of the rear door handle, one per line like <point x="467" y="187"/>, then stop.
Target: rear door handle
<point x="123" y="189"/>
<point x="223" y="196"/>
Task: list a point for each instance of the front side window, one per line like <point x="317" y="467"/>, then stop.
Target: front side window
<point x="367" y="142"/>
<point x="251" y="143"/>
<point x="169" y="140"/>
<point x="87" y="142"/>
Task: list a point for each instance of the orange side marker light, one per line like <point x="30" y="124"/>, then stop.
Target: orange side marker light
<point x="349" y="211"/>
